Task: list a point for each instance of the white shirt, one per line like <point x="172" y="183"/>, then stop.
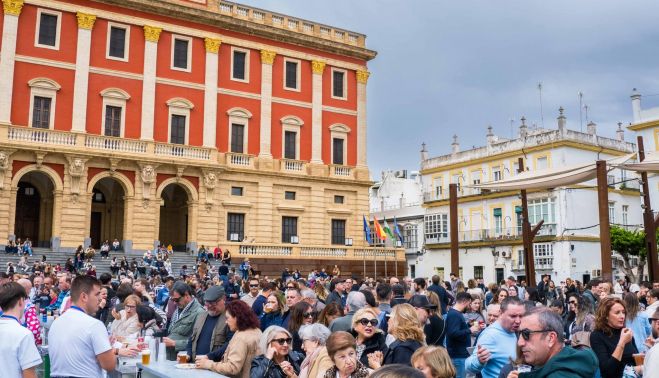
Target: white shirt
<point x="19" y="354"/>
<point x="75" y="339"/>
<point x="651" y="360"/>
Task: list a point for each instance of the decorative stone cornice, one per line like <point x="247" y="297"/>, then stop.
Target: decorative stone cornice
<point x="152" y="33"/>
<point x="212" y="45"/>
<point x="268" y="57"/>
<point x="86" y="21"/>
<point x="12" y="7"/>
<point x="362" y="76"/>
<point x="317" y="66"/>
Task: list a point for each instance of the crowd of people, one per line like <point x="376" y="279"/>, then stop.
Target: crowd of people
<point x="237" y="323"/>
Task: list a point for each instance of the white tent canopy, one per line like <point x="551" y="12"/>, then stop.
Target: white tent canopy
<point x="551" y="177"/>
<point x="650" y="164"/>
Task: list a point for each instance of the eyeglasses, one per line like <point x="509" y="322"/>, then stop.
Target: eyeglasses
<point x="176" y="300"/>
<point x="211" y="302"/>
<point x="572" y="302"/>
<point x="287" y="340"/>
<point x="253" y="285"/>
<point x="308" y="314"/>
<point x="365" y="322"/>
<point x="130" y="306"/>
<point x="526" y="333"/>
<point x="290" y="287"/>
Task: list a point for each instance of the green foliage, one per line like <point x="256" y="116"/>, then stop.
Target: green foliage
<point x="630" y="243"/>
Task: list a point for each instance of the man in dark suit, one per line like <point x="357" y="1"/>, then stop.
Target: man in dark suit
<point x="441" y="293"/>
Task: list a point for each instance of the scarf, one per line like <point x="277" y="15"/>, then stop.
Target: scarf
<point x="306" y="364"/>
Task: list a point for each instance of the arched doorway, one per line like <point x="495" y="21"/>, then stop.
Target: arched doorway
<point x="107" y="212"/>
<point x="34" y="209"/>
<point x="174" y="217"/>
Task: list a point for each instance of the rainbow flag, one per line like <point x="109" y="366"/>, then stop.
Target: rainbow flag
<point x="378" y="229"/>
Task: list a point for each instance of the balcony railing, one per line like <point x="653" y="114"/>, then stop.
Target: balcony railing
<point x="287" y="251"/>
<point x="340" y="171"/>
<point x="240" y="160"/>
<point x="41" y="136"/>
<point x="183" y="151"/>
<point x="99" y="142"/>
<point x="294" y="166"/>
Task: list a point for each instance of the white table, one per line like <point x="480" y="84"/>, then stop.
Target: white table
<point x="166" y="369"/>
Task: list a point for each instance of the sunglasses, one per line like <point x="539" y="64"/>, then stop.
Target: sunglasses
<point x="572" y="302"/>
<point x="526" y="333"/>
<point x="365" y="322"/>
<point x="287" y="340"/>
<point x="308" y="314"/>
<point x="652" y="320"/>
<point x="253" y="285"/>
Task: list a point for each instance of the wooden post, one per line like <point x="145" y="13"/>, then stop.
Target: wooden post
<point x="527" y="236"/>
<point x="648" y="220"/>
<point x="605" y="226"/>
<point x="453" y="219"/>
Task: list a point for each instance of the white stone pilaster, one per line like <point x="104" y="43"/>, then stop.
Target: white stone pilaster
<point x="81" y="81"/>
<point x="151" y="36"/>
<point x="7" y="58"/>
<point x="210" y="92"/>
<point x="362" y="78"/>
<point x="267" y="59"/>
<point x="317" y="112"/>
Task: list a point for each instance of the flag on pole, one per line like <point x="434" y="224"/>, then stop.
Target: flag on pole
<point x="397" y="231"/>
<point x="388" y="231"/>
<point x="378" y="229"/>
<point x="367" y="231"/>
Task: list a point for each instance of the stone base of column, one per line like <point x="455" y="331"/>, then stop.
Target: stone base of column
<point x="362" y="174"/>
<point x="265" y="163"/>
<point x="316" y="169"/>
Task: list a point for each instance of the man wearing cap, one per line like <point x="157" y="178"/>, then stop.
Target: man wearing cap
<point x="338" y="293"/>
<point x="433" y="327"/>
<point x="209" y="332"/>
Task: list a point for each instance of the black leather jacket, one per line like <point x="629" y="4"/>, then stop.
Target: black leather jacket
<point x="262" y="367"/>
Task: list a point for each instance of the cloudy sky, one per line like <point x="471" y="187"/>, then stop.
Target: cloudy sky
<point x="455" y="67"/>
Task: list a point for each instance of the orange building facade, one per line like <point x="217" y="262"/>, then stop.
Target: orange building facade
<point x="182" y="122"/>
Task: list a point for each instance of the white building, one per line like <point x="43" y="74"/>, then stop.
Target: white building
<point x="490" y="223"/>
<point x="646" y="124"/>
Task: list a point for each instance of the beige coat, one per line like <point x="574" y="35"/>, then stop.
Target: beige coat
<point x="125" y="326"/>
<point x="237" y="360"/>
<point x="320" y="364"/>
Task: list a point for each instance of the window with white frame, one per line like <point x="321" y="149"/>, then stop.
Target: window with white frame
<point x="498" y="220"/>
<point x="436" y="226"/>
<point x="612" y="212"/>
<point x="478" y="272"/>
<point x="438" y="187"/>
<point x="49" y="25"/>
<point x="114" y="111"/>
<point x="118" y="42"/>
<point x="542" y="163"/>
<point x="625" y="214"/>
<point x="455" y="179"/>
<point x="181" y="53"/>
<point x="291" y="137"/>
<point x="520" y="258"/>
<point x="43" y="96"/>
<point x="476" y="177"/>
<point x="179" y="120"/>
<point x="239" y="64"/>
<point x="339" y="83"/>
<point x="496" y="174"/>
<point x="542" y="209"/>
<point x="410" y="237"/>
<point x="339" y="139"/>
<point x="291" y="74"/>
<point x="543" y="254"/>
<point x="238" y="130"/>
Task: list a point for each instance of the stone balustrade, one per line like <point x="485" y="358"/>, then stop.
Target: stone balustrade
<point x="310" y="252"/>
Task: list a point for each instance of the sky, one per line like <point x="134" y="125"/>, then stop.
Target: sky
<point x="455" y="67"/>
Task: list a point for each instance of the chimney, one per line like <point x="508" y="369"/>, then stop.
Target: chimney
<point x="561" y="120"/>
<point x="490" y="135"/>
<point x="636" y="106"/>
<point x="523" y="129"/>
<point x="455" y="146"/>
<point x="620" y="133"/>
<point x="591" y="128"/>
<point x="424" y="152"/>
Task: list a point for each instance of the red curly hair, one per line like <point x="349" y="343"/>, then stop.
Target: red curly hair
<point x="245" y="317"/>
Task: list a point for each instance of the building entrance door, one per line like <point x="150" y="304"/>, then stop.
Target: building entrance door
<point x="28" y="204"/>
<point x="95" y="229"/>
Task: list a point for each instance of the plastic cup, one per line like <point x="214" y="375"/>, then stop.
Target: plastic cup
<point x="182" y="357"/>
<point x="146" y="356"/>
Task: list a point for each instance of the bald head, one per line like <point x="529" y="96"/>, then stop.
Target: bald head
<point x="27" y="285"/>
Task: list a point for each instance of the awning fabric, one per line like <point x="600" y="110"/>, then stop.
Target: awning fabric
<point x="650" y="164"/>
<point x="551" y="177"/>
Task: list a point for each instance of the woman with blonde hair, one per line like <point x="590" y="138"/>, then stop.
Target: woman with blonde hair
<point x="433" y="362"/>
<point x="127" y="324"/>
<point x="368" y="336"/>
<point x="405" y="328"/>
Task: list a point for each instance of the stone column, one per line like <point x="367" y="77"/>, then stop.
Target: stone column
<point x="58" y="195"/>
<point x="12" y="9"/>
<point x="317" y="112"/>
<point x="210" y="91"/>
<point x="193" y="211"/>
<point x="151" y="37"/>
<point x="81" y="83"/>
<point x="267" y="59"/>
<point x="362" y="78"/>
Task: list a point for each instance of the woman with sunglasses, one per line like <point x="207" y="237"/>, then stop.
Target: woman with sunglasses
<point x="612" y="343"/>
<point x="244" y="344"/>
<point x="579" y="318"/>
<point x="369" y="338"/>
<point x="273" y="310"/>
<point x="301" y="314"/>
<point x="278" y="359"/>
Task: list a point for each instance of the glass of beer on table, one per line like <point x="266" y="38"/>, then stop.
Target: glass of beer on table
<point x="182" y="357"/>
<point x="146" y="356"/>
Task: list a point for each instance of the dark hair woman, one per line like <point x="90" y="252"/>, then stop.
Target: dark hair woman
<point x="329" y="313"/>
<point x="301" y="314"/>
